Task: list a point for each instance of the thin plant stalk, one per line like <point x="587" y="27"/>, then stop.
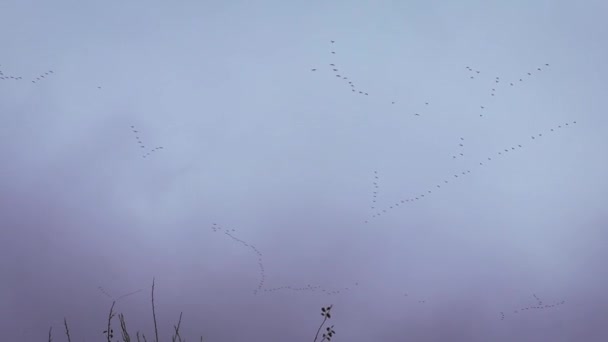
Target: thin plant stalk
<point x="153" y="313"/>
<point x="67" y="330"/>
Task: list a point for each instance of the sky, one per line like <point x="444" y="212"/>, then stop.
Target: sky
<point x="448" y="185"/>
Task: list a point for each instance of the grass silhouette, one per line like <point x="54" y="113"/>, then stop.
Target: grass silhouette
<point x="176" y="337"/>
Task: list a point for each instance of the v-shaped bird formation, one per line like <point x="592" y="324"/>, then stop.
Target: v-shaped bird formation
<point x="459" y="175"/>
<point x="496" y="83"/>
<point x="147" y="151"/>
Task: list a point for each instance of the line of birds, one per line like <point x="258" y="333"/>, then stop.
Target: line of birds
<point x="141" y="144"/>
<point x="539" y="306"/>
<point x="102" y="290"/>
<point x="261" y="288"/>
<point x="428" y="192"/>
<point x="376" y="189"/>
<point x="4" y="76"/>
<point x="36" y="79"/>
<point x="341" y="75"/>
<point x="497" y="81"/>
<point x="18" y="78"/>
<point x="42" y="76"/>
<point x="461" y="149"/>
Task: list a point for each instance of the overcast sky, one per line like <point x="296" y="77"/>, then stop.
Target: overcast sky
<point x="279" y="189"/>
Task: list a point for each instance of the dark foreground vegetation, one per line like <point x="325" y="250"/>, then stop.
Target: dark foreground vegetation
<point x="126" y="337"/>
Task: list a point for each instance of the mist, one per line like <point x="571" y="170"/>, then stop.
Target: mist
<point x="447" y="182"/>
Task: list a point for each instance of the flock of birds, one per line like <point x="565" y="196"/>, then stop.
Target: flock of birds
<point x="141" y="144"/>
<point x="461" y="149"/>
<point x="348" y="82"/>
<point x="376" y="189"/>
<point x="261" y="286"/>
<point x="38" y="78"/>
<point x="116" y="299"/>
<point x="343" y="76"/>
<point x="497" y="82"/>
<point x="310" y="288"/>
<point x="538" y="306"/>
<point x="416" y="197"/>
<point x="4" y="76"/>
<point x="43" y="76"/>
